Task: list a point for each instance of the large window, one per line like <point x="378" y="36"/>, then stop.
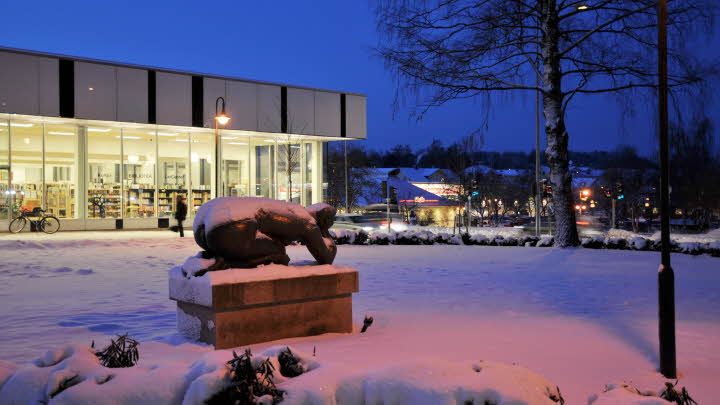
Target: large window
<point x="174" y="169"/>
<point x="235" y="165"/>
<point x="139" y="156"/>
<point x="26" y="144"/>
<point x="264" y="168"/>
<point x="5" y="196"/>
<point x="61" y="160"/>
<point x="308" y="174"/>
<point x="104" y="197"/>
<point x="289" y="170"/>
<point x="4" y="143"/>
<point x="202" y="169"/>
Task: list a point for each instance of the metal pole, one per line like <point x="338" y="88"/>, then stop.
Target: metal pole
<point x="666" y="278"/>
<point x="217" y="161"/>
<point x="347" y="193"/>
<point x="387" y="202"/>
<point x="537" y="150"/>
<point x="537" y="161"/>
<point x="612" y="216"/>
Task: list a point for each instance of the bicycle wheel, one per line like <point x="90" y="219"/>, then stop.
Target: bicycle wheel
<point x="18" y="224"/>
<point x="50" y="224"/>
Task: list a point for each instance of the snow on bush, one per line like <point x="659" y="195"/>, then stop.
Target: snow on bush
<point x="545" y="241"/>
<point x="626" y="394"/>
<point x="613" y="239"/>
<point x="423" y="383"/>
<point x="74" y="375"/>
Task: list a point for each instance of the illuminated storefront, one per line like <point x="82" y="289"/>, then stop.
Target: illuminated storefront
<point x="106" y="146"/>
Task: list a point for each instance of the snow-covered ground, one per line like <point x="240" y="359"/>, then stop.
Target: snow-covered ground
<point x="581" y="318"/>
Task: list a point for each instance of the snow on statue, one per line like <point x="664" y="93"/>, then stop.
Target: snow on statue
<point x="250" y="231"/>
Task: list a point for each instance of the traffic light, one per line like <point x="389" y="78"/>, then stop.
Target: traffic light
<point x="546" y="188"/>
<point x="619" y="191"/>
<point x="607" y="191"/>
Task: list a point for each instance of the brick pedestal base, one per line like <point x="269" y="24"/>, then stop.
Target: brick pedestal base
<point x="238" y="307"/>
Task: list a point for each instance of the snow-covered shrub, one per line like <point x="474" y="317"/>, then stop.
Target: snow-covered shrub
<point x="343" y="236"/>
<point x="593" y="242"/>
<point x="380" y="238"/>
<point x="414" y="237"/>
<point x="545" y="241"/>
<point x="290" y="365"/>
<point x="620" y="234"/>
<point x="361" y="238"/>
<point x="120" y="353"/>
<point x="476" y="239"/>
<point x="612" y="242"/>
<point x="528" y="240"/>
<point x="639" y="243"/>
<point x="691" y="248"/>
<point x="251" y="382"/>
<point x="444" y="238"/>
<point x="626" y="394"/>
<point x="504" y="241"/>
<point x="443" y="382"/>
<point x="713" y="248"/>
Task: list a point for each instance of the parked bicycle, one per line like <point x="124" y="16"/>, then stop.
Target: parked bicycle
<point x="38" y="219"/>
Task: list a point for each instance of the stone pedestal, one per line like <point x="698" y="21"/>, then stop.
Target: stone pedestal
<point x="238" y="307"/>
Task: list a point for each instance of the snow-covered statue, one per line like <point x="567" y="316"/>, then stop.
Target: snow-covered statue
<point x="250" y="231"/>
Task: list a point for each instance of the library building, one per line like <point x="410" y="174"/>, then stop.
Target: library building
<point x="103" y="145"/>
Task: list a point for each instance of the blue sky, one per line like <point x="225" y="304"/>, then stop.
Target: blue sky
<point x="318" y="43"/>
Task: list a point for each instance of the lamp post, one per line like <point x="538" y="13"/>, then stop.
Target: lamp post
<point x="538" y="230"/>
<point x="666" y="277"/>
<point x="221" y="118"/>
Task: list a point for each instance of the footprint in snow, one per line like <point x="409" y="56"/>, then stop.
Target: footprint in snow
<point x="62" y="270"/>
<point x="84" y="272"/>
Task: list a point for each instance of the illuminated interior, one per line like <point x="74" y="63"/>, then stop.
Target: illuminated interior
<point x="77" y="168"/>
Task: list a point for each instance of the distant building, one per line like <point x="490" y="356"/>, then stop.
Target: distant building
<point x="426" y="192"/>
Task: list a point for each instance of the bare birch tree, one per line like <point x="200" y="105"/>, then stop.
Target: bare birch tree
<point x="441" y="50"/>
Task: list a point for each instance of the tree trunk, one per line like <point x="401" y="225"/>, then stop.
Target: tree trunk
<point x="557" y="137"/>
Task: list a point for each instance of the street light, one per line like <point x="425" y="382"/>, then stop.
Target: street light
<point x="666" y="277"/>
<point x="221" y="118"/>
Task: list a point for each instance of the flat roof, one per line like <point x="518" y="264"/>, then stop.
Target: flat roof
<point x="167" y="70"/>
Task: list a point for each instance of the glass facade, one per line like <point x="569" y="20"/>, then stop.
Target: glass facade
<point x="61" y="174"/>
<point x="26" y="164"/>
<point x="104" y="177"/>
<point x="79" y="169"/>
<point x="139" y="152"/>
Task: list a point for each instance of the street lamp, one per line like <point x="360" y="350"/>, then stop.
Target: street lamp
<point x="221" y="118"/>
<point x="666" y="277"/>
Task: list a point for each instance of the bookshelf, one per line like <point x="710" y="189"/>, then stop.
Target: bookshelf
<point x="167" y="201"/>
<point x="199" y="197"/>
<point x="104" y="201"/>
<point x="60" y="199"/>
<point x="140" y="201"/>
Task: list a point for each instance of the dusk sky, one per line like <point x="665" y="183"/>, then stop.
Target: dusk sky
<point x="320" y="43"/>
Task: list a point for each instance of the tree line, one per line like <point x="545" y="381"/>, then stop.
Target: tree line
<point x="695" y="168"/>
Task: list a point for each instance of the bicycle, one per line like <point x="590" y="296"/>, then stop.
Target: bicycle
<point x="47" y="223"/>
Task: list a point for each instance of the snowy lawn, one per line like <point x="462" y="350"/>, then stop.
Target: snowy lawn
<point x="581" y="318"/>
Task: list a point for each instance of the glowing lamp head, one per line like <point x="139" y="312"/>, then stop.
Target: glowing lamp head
<point x="222" y="119"/>
<point x="583" y="7"/>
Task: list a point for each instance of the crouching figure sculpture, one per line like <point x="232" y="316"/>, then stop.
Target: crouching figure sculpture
<point x="249" y="231"/>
